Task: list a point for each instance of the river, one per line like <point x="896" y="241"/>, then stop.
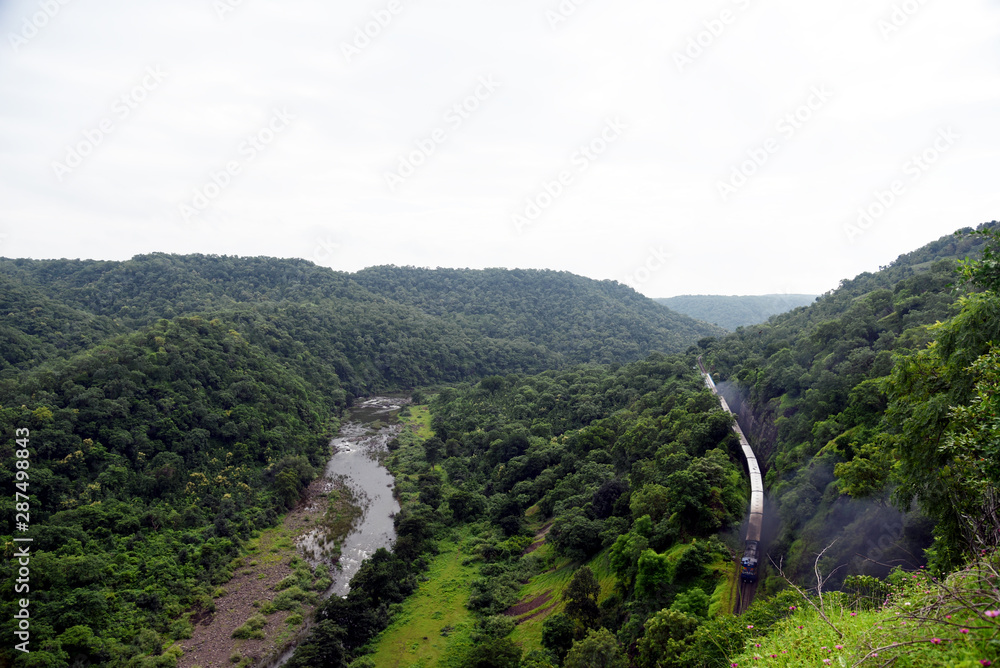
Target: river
<point x="355" y="464"/>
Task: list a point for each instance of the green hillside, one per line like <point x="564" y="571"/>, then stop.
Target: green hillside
<point x="730" y="312"/>
<point x="571" y="493"/>
<point x="580" y="319"/>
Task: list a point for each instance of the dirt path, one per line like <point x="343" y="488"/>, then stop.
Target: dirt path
<point x="212" y="644"/>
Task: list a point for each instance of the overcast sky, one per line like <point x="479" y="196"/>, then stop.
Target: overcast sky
<point x="682" y="147"/>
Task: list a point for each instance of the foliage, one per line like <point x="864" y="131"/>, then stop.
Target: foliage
<point x="598" y="650"/>
<point x="581" y="598"/>
<point x="814" y="388"/>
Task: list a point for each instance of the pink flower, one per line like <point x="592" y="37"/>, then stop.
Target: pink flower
<point x="985" y="662"/>
<point x="749" y="626"/>
<point x="838" y="647"/>
<point x="854" y="614"/>
<point x="963" y="630"/>
<point x="734" y="665"/>
<point x="791" y="607"/>
<point x="826" y="660"/>
<point x="801" y="627"/>
<point x="936" y="641"/>
<point x="992" y="613"/>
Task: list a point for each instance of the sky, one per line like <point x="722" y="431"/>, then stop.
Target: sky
<point x="722" y="147"/>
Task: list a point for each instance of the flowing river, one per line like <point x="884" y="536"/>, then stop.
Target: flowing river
<point x="355" y="464"/>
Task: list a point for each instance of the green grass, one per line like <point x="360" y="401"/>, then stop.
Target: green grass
<point x="911" y="631"/>
<point x="723" y="597"/>
<point x="552" y="582"/>
<point x="433" y="626"/>
<point x="419" y="420"/>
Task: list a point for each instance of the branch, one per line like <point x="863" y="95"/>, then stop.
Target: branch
<point x="804" y="596"/>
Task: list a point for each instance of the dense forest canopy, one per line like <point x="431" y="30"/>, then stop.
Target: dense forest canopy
<point x="815" y="384"/>
<point x="178" y="404"/>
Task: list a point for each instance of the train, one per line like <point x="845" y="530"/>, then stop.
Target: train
<point x="750" y="562"/>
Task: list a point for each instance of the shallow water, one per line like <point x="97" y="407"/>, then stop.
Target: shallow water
<point x="355" y="464"/>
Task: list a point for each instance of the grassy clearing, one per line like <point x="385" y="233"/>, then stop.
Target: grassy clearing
<point x="418" y="421"/>
<point x="433" y="626"/>
<point x="552" y="582"/>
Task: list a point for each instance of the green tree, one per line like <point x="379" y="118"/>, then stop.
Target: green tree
<point x="433" y="450"/>
<point x="495" y="653"/>
<point x="664" y="640"/>
<point x="558" y="632"/>
<point x="598" y="650"/>
<point x="581" y="598"/>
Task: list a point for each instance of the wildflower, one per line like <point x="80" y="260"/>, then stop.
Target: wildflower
<point x="756" y="644"/>
<point x="801" y="627"/>
<point x="774" y="656"/>
<point x="947" y="616"/>
<point x="992" y="613"/>
<point x="985" y="662"/>
<point x="936" y="641"/>
<point x="854" y="614"/>
<point x="838" y="647"/>
<point x="826" y="660"/>
<point x="791" y="607"/>
<point x="963" y="630"/>
<point x="749" y="626"/>
<point x="734" y="665"/>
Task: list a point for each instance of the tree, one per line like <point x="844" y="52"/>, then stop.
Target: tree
<point x="581" y="598"/>
<point x="495" y="653"/>
<point x="598" y="650"/>
<point x="557" y="635"/>
<point x="663" y="642"/>
<point x="433" y="450"/>
<point x="693" y="603"/>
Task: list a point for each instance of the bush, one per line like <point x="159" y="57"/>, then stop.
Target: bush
<point x="252" y="628"/>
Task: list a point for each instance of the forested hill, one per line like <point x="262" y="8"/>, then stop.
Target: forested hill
<point x="581" y="319"/>
<point x="813" y="387"/>
<point x="380" y="329"/>
<point x="732" y="311"/>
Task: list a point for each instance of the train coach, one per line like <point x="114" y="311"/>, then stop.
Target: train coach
<point x="750" y="563"/>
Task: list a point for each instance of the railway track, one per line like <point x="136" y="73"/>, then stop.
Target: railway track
<point x="750" y="563"/>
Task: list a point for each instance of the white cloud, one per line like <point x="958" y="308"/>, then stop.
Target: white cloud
<point x="321" y="185"/>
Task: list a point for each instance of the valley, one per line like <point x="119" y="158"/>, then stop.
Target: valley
<point x="527" y="468"/>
